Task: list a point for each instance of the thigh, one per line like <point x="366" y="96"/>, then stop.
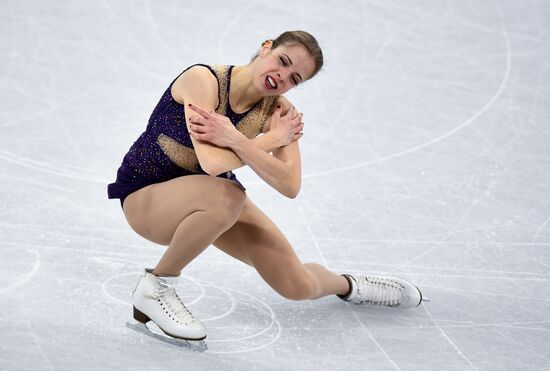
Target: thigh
<point x="155" y="211"/>
<point x="258" y="242"/>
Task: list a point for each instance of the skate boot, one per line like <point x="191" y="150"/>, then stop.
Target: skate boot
<point x="387" y="291"/>
<point x="155" y="299"/>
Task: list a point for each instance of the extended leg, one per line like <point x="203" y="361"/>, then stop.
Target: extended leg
<point x="256" y="240"/>
<point x="328" y="282"/>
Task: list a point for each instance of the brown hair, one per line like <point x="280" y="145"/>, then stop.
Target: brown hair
<point x="304" y="38"/>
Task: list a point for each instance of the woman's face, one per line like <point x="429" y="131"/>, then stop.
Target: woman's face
<point x="282" y="68"/>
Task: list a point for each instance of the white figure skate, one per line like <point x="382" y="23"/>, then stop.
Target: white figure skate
<point x="159" y="308"/>
<point x="386" y="291"/>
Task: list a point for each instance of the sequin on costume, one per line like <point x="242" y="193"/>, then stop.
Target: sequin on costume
<point x="165" y="151"/>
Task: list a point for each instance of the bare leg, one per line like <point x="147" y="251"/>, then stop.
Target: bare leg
<point x="255" y="240"/>
<point x="328" y="282"/>
<point x="194" y="234"/>
<point x="186" y="213"/>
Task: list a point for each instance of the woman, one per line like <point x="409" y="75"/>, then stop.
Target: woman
<point x="177" y="188"/>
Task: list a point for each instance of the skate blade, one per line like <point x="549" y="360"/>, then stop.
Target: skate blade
<point x="151" y="329"/>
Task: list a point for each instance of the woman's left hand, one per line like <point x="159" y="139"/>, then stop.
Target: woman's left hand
<point x="213" y="128"/>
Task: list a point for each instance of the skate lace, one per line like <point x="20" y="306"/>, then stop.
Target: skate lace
<point x="379" y="291"/>
<point x="167" y="293"/>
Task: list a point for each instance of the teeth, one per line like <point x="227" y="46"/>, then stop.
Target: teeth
<point x="271" y="82"/>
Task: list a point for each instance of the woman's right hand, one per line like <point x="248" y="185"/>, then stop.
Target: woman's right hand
<point x="287" y="128"/>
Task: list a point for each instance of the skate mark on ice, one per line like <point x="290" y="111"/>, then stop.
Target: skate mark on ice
<point x="231" y="308"/>
<point x="263" y="308"/>
<point x="534" y="240"/>
<point x="449" y="339"/>
<point x="325" y="263"/>
<point x="51" y="168"/>
<point x="37" y="339"/>
<point x="27" y="277"/>
<point x="430" y="142"/>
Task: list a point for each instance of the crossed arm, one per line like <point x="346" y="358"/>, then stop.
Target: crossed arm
<point x="226" y="159"/>
<point x="282" y="171"/>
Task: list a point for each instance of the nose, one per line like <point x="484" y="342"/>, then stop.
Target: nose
<point x="281" y="78"/>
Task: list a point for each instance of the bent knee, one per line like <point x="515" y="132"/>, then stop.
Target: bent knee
<point x="226" y="201"/>
<point x="299" y="289"/>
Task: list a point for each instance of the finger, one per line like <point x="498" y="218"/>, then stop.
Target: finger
<point x="200" y="136"/>
<point x="297" y="119"/>
<point x="197" y="129"/>
<point x="296" y="116"/>
<point x="297" y="136"/>
<point x="199" y="110"/>
<point x="292" y="112"/>
<point x="295" y="113"/>
<point x="288" y="113"/>
<point x="198" y="120"/>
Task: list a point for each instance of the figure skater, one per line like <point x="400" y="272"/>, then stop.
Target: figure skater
<point x="177" y="188"/>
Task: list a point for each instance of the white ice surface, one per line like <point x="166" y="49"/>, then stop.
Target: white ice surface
<point x="425" y="155"/>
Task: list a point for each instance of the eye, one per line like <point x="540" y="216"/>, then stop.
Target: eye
<point x="285" y="64"/>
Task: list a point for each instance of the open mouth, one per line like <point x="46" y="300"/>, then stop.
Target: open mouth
<point x="270" y="83"/>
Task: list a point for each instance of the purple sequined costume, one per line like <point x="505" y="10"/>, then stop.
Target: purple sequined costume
<point x="146" y="163"/>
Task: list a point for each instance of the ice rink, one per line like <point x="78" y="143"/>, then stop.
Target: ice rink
<point x="425" y="156"/>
